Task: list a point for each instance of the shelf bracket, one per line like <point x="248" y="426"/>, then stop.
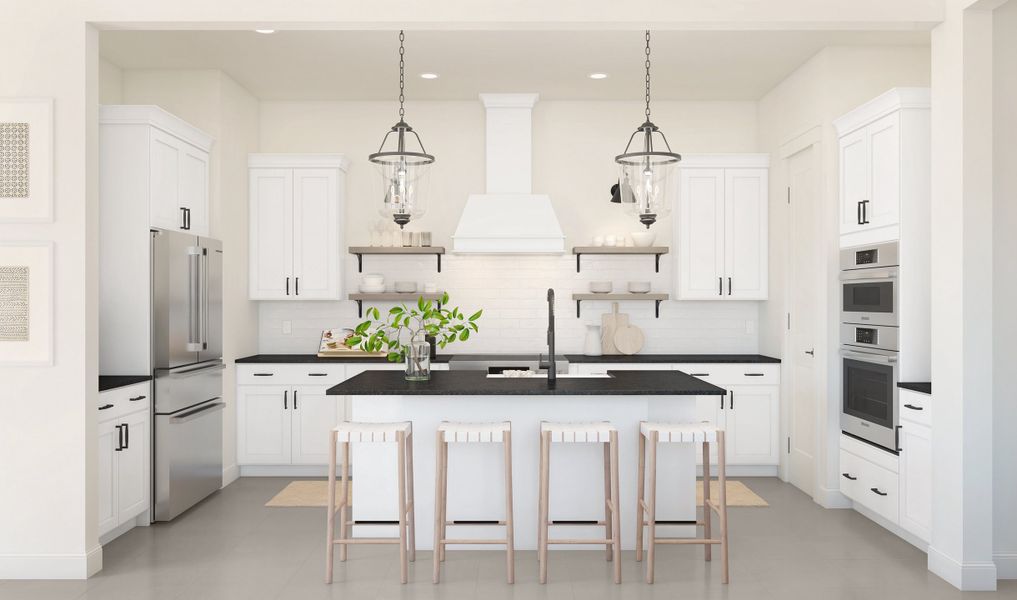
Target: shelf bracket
<point x="577" y="301"/>
<point x="578" y="255"/>
<point x="439" y="263"/>
<point x="360" y="263"/>
<point x="657" y="265"/>
<point x="360" y="309"/>
<point x="657" y="308"/>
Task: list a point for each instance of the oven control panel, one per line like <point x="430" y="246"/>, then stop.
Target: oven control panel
<point x="866" y="335"/>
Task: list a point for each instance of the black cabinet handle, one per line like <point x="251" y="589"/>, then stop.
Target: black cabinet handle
<point x="136" y="398"/>
<point x="317" y="374"/>
<point x="183" y="218"/>
<point x="105" y="406"/>
<point x="848" y="476"/>
<point x="913" y="407"/>
<point x="728" y="286"/>
<point x="720" y="286"/>
<point x="294" y="399"/>
<point x="858" y="210"/>
<point x="732" y="401"/>
<point x="877" y="492"/>
<point x="865" y="212"/>
<point x="757" y="374"/>
<point x="287" y="286"/>
<point x="120" y="438"/>
<point x="699" y="374"/>
<point x="286" y="399"/>
<point x="264" y="374"/>
<point x="722" y="401"/>
<point x="296" y="285"/>
<point x="127" y="435"/>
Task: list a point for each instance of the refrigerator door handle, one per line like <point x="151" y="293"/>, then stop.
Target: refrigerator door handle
<point x="203" y="322"/>
<point x="194" y="310"/>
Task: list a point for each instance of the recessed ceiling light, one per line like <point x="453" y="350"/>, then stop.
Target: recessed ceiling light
<point x="428" y="75"/>
<point x="597" y="75"/>
<point x="265" y="30"/>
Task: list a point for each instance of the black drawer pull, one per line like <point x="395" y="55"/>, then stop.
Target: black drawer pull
<point x="120" y="438"/>
<point x="136" y="398"/>
<point x="317" y="374"/>
<point x="913" y="407"/>
<point x="699" y="374"/>
<point x="105" y="406"/>
<point x="264" y="374"/>
<point x="848" y="476"/>
<point x="755" y="374"/>
<point x="877" y="492"/>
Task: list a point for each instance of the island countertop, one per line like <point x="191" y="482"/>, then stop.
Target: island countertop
<point x="477" y="383"/>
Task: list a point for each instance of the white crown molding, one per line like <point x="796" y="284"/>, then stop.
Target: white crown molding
<point x="298" y="161"/>
<point x="509" y="100"/>
<point x="882" y="105"/>
<point x="725" y="161"/>
<point x="148" y="114"/>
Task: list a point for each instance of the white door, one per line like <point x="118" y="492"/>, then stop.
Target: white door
<point x="109" y="437"/>
<point x="708" y="410"/>
<point x="164" y="182"/>
<point x="194" y="188"/>
<point x="271" y="243"/>
<point x="133" y="467"/>
<point x="263" y="424"/>
<point x="751" y="425"/>
<point x="700" y="233"/>
<point x="805" y="298"/>
<point x="314" y="416"/>
<point x="883" y="208"/>
<point x="854" y="179"/>
<point x="745" y="234"/>
<point x="916" y="479"/>
<point x="315" y="234"/>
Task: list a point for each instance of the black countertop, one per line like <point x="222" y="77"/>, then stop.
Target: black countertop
<point x="924" y="387"/>
<point x="476" y="383"/>
<point x="672" y="358"/>
<point x="111" y="382"/>
<point x="267" y="359"/>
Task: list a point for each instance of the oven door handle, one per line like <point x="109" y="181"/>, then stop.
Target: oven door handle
<point x="869" y="275"/>
<point x="867" y="357"/>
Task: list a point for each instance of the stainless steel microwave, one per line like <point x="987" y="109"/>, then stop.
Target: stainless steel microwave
<point x="868" y="277"/>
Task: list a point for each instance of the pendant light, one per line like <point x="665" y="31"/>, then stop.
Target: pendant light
<point x="404" y="165"/>
<point x="647" y="175"/>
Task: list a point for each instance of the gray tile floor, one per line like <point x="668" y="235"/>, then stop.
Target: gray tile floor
<point x="232" y="546"/>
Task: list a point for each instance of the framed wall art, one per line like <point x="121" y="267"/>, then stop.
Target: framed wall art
<point x="26" y="303"/>
<point x="26" y="160"/>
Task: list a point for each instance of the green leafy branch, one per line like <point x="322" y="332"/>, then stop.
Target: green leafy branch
<point x="446" y="325"/>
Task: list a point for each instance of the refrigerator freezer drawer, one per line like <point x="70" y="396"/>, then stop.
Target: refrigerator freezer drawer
<point x="188" y="458"/>
<point x="177" y="389"/>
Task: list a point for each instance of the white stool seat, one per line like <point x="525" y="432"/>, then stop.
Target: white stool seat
<point x="680" y="432"/>
<point x="579" y="433"/>
<point x="474" y="432"/>
<point x="352" y="431"/>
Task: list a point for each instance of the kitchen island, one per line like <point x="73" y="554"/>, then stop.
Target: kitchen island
<point x="476" y="484"/>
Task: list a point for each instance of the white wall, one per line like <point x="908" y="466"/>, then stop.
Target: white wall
<point x="574" y="144"/>
<point x="111" y="83"/>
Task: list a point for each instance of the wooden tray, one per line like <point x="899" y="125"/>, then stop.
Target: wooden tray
<point x="351" y="354"/>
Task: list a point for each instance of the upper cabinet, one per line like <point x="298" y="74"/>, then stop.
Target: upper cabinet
<point x="884" y="164"/>
<point x="147" y="152"/>
<point x="721" y="227"/>
<point x="296" y="207"/>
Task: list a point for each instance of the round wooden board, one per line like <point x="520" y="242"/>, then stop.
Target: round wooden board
<point x="629" y="339"/>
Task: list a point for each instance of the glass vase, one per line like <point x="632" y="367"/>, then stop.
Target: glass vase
<point x="418" y="361"/>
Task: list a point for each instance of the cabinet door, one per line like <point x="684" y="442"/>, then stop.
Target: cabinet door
<point x="263" y="424"/>
<point x="745" y="234"/>
<point x="315" y="234"/>
<point x="194" y="187"/>
<point x="708" y="410"/>
<point x="314" y="416"/>
<point x="108" y="444"/>
<point x="916" y="479"/>
<point x="854" y="185"/>
<point x="883" y="208"/>
<point x="700" y="234"/>
<point x="133" y="467"/>
<point x="271" y="243"/>
<point x="751" y="425"/>
<point x="164" y="182"/>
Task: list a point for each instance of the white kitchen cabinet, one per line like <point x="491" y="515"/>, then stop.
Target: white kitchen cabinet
<point x="263" y="425"/>
<point x="869" y="477"/>
<point x="109" y="435"/>
<point x="722" y="228"/>
<point x="915" y="463"/>
<point x="124" y="457"/>
<point x="133" y="467"/>
<point x="295" y="228"/>
<point x="314" y="415"/>
<point x="884" y="164"/>
<point x="751" y="422"/>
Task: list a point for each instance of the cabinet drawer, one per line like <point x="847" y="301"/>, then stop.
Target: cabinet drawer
<point x="733" y="373"/>
<point x="915" y="407"/>
<point x="291" y="374"/>
<point x="870" y="485"/>
<point x="121" y="401"/>
<point x="603" y="368"/>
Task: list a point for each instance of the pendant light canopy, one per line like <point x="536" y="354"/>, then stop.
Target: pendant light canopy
<point x="647" y="177"/>
<point x="403" y="163"/>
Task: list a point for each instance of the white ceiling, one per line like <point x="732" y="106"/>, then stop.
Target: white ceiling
<point x="362" y="65"/>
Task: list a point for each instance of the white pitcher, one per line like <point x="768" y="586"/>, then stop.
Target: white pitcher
<point x="592" y="347"/>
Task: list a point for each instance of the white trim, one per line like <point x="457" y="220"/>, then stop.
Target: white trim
<point x="298" y="161"/>
<point x="812" y="137"/>
<point x="831" y="498"/>
<point x="149" y="114"/>
<point x="284" y="470"/>
<point x="968" y="577"/>
<point x="882" y="105"/>
<point x="900" y="532"/>
<point x="742" y="470"/>
<point x="230" y="474"/>
<point x="51" y="566"/>
<point x="509" y="100"/>
<point x="1006" y="565"/>
<point x="725" y="161"/>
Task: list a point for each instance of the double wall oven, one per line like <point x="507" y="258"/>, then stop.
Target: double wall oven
<point x="868" y="343"/>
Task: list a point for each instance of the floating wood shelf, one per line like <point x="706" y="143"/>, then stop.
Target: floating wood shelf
<point x="656" y="298"/>
<point x="360" y="251"/>
<point x="655" y="251"/>
<point x="394" y="297"/>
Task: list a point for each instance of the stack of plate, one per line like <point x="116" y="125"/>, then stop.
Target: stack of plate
<point x="372" y="283"/>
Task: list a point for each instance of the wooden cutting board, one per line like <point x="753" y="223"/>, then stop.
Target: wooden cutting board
<point x="609" y="324"/>
<point x="629" y="339"/>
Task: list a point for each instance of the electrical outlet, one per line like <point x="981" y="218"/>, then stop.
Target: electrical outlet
<point x="287" y="327"/>
<point x="750" y="327"/>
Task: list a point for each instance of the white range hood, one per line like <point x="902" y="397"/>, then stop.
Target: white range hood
<point x="509" y="219"/>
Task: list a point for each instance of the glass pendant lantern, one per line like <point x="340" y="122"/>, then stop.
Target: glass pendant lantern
<point x="647" y="177"/>
<point x="403" y="163"/>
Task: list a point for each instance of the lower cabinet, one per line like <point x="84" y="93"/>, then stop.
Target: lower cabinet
<point x="285" y="425"/>
<point x="750" y="418"/>
<point x="916" y="479"/>
<point x="124" y="456"/>
<point x="869" y="477"/>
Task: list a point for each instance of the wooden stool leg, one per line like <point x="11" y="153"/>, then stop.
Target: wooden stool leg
<point x="330" y="518"/>
<point x="444" y="496"/>
<point x="707" y="511"/>
<point x="412" y="520"/>
<point x="651" y="504"/>
<point x="439" y="500"/>
<point x="615" y="509"/>
<point x="640" y="496"/>
<point x="608" y="521"/>
<point x="545" y="469"/>
<point x="403" y="564"/>
<point x="722" y="493"/>
<point x="510" y="547"/>
<point x="345" y="514"/>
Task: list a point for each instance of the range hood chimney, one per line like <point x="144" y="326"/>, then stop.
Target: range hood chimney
<point x="509" y="218"/>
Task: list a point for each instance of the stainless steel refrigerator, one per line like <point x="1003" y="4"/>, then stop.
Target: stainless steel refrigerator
<point x="187" y="358"/>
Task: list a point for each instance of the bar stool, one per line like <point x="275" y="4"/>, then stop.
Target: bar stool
<point x="680" y="433"/>
<point x="581" y="433"/>
<point x="483" y="433"/>
<point x="352" y="432"/>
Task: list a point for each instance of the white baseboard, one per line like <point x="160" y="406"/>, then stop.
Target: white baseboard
<point x="230" y="474"/>
<point x="1006" y="565"/>
<point x="972" y="576"/>
<point x="51" y="566"/>
<point x="741" y="470"/>
<point x="284" y="470"/>
<point x="893" y="528"/>
<point x="830" y="498"/>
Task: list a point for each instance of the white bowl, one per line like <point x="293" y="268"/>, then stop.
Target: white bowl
<point x="601" y="287"/>
<point x="639" y="287"/>
<point x="642" y="239"/>
<point x="371" y="289"/>
<point x="405" y="287"/>
<point x="373" y="279"/>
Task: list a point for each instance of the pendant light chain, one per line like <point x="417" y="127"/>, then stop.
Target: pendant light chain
<point x="647" y="74"/>
<point x="402" y="75"/>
